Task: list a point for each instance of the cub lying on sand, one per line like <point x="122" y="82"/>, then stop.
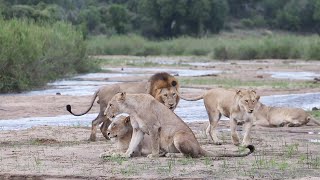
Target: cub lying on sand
<point x="121" y="130"/>
<point x="162" y="86"/>
<point x="167" y="131"/>
<point x="238" y="105"/>
<point x="268" y="116"/>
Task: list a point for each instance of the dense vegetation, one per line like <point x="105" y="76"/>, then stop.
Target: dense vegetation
<point x="31" y="54"/>
<point x="41" y="40"/>
<point x="221" y="47"/>
<point x="168" y="18"/>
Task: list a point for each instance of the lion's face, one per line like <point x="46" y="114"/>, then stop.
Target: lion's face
<point x="119" y="127"/>
<point x="248" y="100"/>
<point x="114" y="105"/>
<point x="168" y="97"/>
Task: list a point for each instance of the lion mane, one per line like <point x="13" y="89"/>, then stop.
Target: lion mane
<point x="162" y="80"/>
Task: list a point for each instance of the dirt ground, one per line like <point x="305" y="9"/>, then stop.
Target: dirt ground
<point x="57" y="152"/>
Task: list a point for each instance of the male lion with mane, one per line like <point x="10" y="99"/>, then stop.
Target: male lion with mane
<point x="162" y="86"/>
<point x="238" y="105"/>
<point x="168" y="133"/>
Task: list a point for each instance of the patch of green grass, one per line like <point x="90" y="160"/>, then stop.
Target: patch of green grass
<point x="291" y="149"/>
<point x="129" y="170"/>
<point x="117" y="159"/>
<point x="234" y="83"/>
<point x="186" y="161"/>
<point x="315" y="114"/>
<point x="136" y="63"/>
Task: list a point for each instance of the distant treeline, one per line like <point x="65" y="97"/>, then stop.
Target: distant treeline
<point x="169" y="18"/>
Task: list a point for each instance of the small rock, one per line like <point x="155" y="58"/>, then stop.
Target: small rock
<point x="58" y="93"/>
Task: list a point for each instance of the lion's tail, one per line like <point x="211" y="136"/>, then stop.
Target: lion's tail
<point x="311" y="119"/>
<point x="190" y="99"/>
<point x="209" y="154"/>
<point x="68" y="107"/>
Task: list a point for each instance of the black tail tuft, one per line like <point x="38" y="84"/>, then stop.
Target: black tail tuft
<point x="251" y="148"/>
<point x="68" y="108"/>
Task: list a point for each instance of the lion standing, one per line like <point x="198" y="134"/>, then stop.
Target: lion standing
<point x="238" y="105"/>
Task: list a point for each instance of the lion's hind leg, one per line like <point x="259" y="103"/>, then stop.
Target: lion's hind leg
<point x="186" y="144"/>
<point x="98" y="120"/>
<point x="214" y="117"/>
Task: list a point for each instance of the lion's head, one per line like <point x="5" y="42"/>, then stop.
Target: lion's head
<point x="119" y="127"/>
<point x="164" y="87"/>
<point x="168" y="97"/>
<point x="247" y="99"/>
<point x="114" y="106"/>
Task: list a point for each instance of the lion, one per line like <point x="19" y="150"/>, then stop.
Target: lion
<point x="268" y="116"/>
<point x="121" y="130"/>
<point x="237" y="105"/>
<point x="162" y="86"/>
<point x="168" y="133"/>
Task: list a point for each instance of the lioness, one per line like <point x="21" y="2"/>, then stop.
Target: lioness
<point x="162" y="86"/>
<point x="238" y="105"/>
<point x="268" y="116"/>
<point x="121" y="130"/>
<point x="167" y="131"/>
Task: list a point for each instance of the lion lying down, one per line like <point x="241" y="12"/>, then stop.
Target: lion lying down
<point x="121" y="130"/>
<point x="268" y="116"/>
<point x="238" y="105"/>
<point x="167" y="131"/>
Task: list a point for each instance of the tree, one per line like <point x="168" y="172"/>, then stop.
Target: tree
<point x="119" y="18"/>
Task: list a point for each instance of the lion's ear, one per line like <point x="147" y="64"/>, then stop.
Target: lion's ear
<point x="123" y="96"/>
<point x="254" y="91"/>
<point x="174" y="83"/>
<point x="258" y="97"/>
<point x="127" y="120"/>
<point x="239" y="92"/>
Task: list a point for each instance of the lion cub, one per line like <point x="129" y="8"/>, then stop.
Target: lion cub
<point x="238" y="105"/>
<point x="120" y="130"/>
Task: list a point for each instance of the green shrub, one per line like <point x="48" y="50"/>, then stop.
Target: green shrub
<point x="221" y="47"/>
<point x="313" y="51"/>
<point x="31" y="54"/>
<point x="221" y="52"/>
<point x="248" y="23"/>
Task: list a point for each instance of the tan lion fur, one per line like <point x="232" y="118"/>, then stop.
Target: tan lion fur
<point x="162" y="86"/>
<point x="168" y="132"/>
<point x="268" y="116"/>
<point x="121" y="130"/>
<point x="238" y="105"/>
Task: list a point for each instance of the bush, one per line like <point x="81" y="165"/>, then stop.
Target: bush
<point x="248" y="23"/>
<point x="31" y="54"/>
<point x="314" y="51"/>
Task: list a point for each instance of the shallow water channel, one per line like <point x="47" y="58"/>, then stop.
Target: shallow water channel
<point x="187" y="110"/>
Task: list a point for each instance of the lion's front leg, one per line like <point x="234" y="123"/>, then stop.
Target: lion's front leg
<point x="155" y="141"/>
<point x="247" y="129"/>
<point x="234" y="134"/>
<point x="137" y="137"/>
